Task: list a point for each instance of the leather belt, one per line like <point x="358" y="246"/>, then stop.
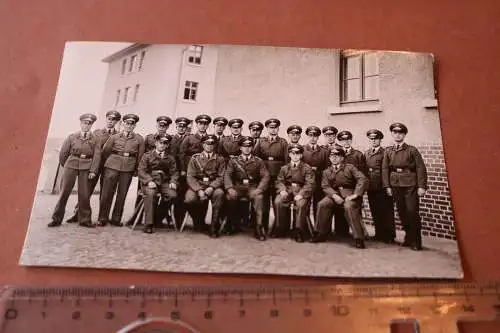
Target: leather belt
<point x="83" y="156"/>
<point x="125" y="154"/>
<point x="270" y="158"/>
<point x="401" y="170"/>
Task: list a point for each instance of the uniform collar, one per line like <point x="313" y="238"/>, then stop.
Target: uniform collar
<point x="208" y="155"/>
<point x="376" y="150"/>
<point x="273" y="138"/>
<point x="107" y="130"/>
<point x="160" y="154"/>
<point x="82" y="135"/>
<point x="400" y="145"/>
<point x="338" y="166"/>
<point x="298" y="164"/>
<point x="245" y="157"/>
<point x="130" y="134"/>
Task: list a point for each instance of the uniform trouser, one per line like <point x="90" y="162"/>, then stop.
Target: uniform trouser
<point x="382" y="209"/>
<point x="407" y="203"/>
<point x="112" y="179"/>
<point x="92" y="184"/>
<point x="283" y="212"/>
<point x="318" y="194"/>
<point x="179" y="205"/>
<point x="68" y="182"/>
<point x="327" y="207"/>
<point x="269" y="198"/>
<point x="151" y="212"/>
<point x="198" y="209"/>
<point x="234" y="209"/>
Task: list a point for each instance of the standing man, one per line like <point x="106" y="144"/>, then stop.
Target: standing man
<point x="191" y="144"/>
<point x="317" y="157"/>
<point x="255" y="128"/>
<point x="80" y="157"/>
<point x="381" y="205"/>
<point x="220" y="124"/>
<point x="352" y="156"/>
<point x="294" y="132"/>
<point x="330" y="133"/>
<point x="246" y="176"/>
<point x="112" y="118"/>
<point x="157" y="172"/>
<point x="404" y="176"/>
<point x="344" y="186"/>
<point x="229" y="145"/>
<point x="273" y="150"/>
<point x="162" y="125"/>
<point x="122" y="151"/>
<point x="295" y="184"/>
<point x="205" y="178"/>
<point x="179" y="207"/>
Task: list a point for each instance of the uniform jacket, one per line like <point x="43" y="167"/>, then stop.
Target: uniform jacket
<point x="344" y="182"/>
<point x="229" y="146"/>
<point x="299" y="180"/>
<point x="152" y="161"/>
<point x="403" y="167"/>
<point x="318" y="159"/>
<point x="103" y="134"/>
<point x="254" y="170"/>
<point x="117" y="145"/>
<point x="356" y="158"/>
<point x="88" y="151"/>
<point x="191" y="144"/>
<point x="218" y="148"/>
<point x="374" y="165"/>
<point x="274" y="153"/>
<point x="203" y="172"/>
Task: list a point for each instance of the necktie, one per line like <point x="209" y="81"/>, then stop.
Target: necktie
<point x="109" y="131"/>
<point x="313" y="147"/>
<point x="85" y="135"/>
<point x="162" y="154"/>
<point x="373" y="150"/>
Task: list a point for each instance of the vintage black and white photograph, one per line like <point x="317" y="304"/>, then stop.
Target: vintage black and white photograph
<point x="244" y="159"/>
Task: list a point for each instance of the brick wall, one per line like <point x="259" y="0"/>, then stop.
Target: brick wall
<point x="435" y="207"/>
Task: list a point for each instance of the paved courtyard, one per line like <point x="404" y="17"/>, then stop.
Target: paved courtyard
<point x="122" y="248"/>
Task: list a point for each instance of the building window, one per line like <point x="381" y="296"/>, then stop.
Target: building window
<point x="133" y="63"/>
<point x="136" y="91"/>
<point x="125" y="95"/>
<point x="190" y="91"/>
<point x="141" y="60"/>
<point x="359" y="77"/>
<point x="195" y="53"/>
<point x="124" y="65"/>
<point x="117" y="100"/>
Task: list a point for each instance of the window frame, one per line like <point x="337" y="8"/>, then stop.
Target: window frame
<point x="343" y="79"/>
<point x="195" y="54"/>
<point x="188" y="86"/>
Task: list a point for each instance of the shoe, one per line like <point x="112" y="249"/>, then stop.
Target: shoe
<point x="299" y="238"/>
<point x="148" y="229"/>
<point x="214" y="232"/>
<point x="261" y="233"/>
<point x="102" y="223"/>
<point x="54" y="224"/>
<point x="87" y="224"/>
<point x="359" y="244"/>
<point x="72" y="219"/>
<point x="416" y="247"/>
<point x="319" y="238"/>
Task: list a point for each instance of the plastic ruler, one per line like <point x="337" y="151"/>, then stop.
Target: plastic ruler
<point x="345" y="308"/>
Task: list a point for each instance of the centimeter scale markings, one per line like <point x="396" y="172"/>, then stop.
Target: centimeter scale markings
<point x="349" y="308"/>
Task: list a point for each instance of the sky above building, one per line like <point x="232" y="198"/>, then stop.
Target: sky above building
<point x="81" y="84"/>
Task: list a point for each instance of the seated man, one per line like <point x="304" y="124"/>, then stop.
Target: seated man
<point x="344" y="186"/>
<point x="246" y="176"/>
<point x="157" y="172"/>
<point x="205" y="178"/>
<point x="295" y="184"/>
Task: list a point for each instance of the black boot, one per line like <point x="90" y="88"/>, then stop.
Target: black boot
<point x="299" y="236"/>
<point x="87" y="224"/>
<point x="54" y="224"/>
<point x="359" y="244"/>
<point x="148" y="229"/>
<point x="319" y="238"/>
<point x="73" y="218"/>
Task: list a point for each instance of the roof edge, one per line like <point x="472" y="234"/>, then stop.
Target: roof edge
<point x="126" y="50"/>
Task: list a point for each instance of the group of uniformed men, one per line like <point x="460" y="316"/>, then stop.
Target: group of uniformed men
<point x="187" y="170"/>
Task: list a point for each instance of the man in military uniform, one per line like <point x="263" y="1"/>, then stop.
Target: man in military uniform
<point x="381" y="205"/>
<point x="122" y="152"/>
<point x="352" y="156"/>
<point x="229" y="145"/>
<point x="273" y="149"/>
<point x="162" y="125"/>
<point x="112" y="118"/>
<point x="255" y="128"/>
<point x="295" y="184"/>
<point x="294" y="132"/>
<point x="80" y="157"/>
<point x="157" y="172"/>
<point x="246" y="176"/>
<point x="181" y="124"/>
<point x="404" y="176"/>
<point x="330" y="133"/>
<point x="205" y="177"/>
<point x="344" y="186"/>
<point x="220" y="124"/>
<point x="317" y="157"/>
